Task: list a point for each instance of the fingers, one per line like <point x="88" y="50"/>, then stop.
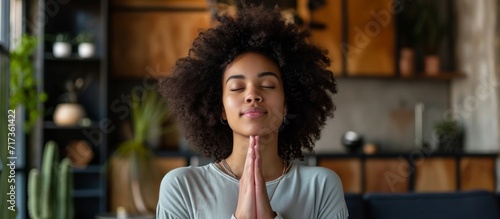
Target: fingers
<point x="259" y="181"/>
<point x="246" y="200"/>
<point x="263" y="206"/>
<point x="249" y="162"/>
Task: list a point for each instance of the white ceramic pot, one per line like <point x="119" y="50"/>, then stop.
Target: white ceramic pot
<point x="68" y="114"/>
<point x="61" y="49"/>
<point x="86" y="50"/>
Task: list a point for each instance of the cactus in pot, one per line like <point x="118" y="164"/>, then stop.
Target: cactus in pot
<point x="50" y="192"/>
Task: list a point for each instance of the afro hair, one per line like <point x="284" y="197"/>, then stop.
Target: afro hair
<point x="194" y="91"/>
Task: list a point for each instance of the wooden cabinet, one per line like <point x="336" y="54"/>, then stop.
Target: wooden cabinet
<point x="348" y="171"/>
<point x="331" y="37"/>
<point x="361" y="36"/>
<point x="365" y="38"/>
<point x="371" y="38"/>
<point x="397" y="173"/>
<point x="148" y="37"/>
<point x="386" y="175"/>
<point x="477" y="173"/>
<point x="435" y="175"/>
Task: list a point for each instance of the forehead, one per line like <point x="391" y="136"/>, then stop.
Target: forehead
<point x="251" y="63"/>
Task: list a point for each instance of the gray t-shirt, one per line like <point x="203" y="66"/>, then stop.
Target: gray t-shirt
<point x="206" y="192"/>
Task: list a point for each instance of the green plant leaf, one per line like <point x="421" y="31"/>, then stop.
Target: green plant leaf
<point x="23" y="86"/>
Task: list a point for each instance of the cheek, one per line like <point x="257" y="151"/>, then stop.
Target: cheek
<point x="231" y="105"/>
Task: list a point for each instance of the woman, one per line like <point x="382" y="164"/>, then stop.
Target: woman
<point x="252" y="94"/>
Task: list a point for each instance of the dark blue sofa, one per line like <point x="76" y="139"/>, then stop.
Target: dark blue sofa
<point x="456" y="205"/>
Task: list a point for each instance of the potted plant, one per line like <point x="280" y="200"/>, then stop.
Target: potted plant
<point x="50" y="190"/>
<point x="135" y="182"/>
<point x="86" y="46"/>
<point x="62" y="46"/>
<point x="431" y="31"/>
<point x="407" y="37"/>
<point x="69" y="112"/>
<point x="450" y="135"/>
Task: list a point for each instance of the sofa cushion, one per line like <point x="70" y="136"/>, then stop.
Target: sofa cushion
<point x="355" y="205"/>
<point x="459" y="205"/>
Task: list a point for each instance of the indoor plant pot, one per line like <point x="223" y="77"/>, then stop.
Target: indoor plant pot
<point x="86" y="50"/>
<point x="431" y="31"/>
<point x="450" y="136"/>
<point x="62" y="47"/>
<point x="134" y="179"/>
<point x="432" y="65"/>
<point x="407" y="62"/>
<point x="68" y="114"/>
<point x="86" y="46"/>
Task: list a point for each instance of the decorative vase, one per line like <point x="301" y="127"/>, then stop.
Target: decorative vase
<point x="61" y="49"/>
<point x="407" y="62"/>
<point x="68" y="114"/>
<point x="131" y="188"/>
<point x="352" y="141"/>
<point x="86" y="50"/>
<point x="432" y="65"/>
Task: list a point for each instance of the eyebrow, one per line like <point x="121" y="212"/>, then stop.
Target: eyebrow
<point x="260" y="75"/>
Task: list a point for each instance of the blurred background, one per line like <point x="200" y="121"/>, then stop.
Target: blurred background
<point x="418" y="103"/>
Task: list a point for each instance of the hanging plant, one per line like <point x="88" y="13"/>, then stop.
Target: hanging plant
<point x="23" y="85"/>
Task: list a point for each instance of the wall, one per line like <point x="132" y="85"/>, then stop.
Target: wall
<point x="367" y="106"/>
<point x="383" y="111"/>
<point x="476" y="100"/>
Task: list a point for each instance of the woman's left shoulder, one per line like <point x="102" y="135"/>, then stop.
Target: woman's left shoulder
<point x="318" y="172"/>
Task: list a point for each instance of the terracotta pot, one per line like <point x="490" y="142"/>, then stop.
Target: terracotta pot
<point x="432" y="65"/>
<point x="68" y="114"/>
<point x="136" y="195"/>
<point x="407" y="62"/>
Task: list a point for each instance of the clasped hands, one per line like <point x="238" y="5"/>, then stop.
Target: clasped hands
<point x="253" y="202"/>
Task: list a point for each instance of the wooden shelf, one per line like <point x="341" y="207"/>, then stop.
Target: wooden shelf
<point x="73" y="58"/>
<point x="85" y="193"/>
<point x="442" y="76"/>
<point x="89" y="169"/>
<point x="157" y="5"/>
<point x="52" y="125"/>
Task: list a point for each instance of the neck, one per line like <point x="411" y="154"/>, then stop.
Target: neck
<point x="272" y="164"/>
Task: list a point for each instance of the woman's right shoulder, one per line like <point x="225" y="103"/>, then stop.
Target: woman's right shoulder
<point x="184" y="174"/>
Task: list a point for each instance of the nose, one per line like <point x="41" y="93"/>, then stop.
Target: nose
<point x="253" y="94"/>
<point x="253" y="98"/>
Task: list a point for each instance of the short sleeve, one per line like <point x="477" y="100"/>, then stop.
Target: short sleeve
<point x="333" y="204"/>
<point x="172" y="202"/>
<point x="163" y="214"/>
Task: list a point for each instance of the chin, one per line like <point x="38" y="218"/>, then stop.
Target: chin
<point x="259" y="131"/>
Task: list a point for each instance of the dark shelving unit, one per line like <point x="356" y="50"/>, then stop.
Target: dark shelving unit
<point x="73" y="18"/>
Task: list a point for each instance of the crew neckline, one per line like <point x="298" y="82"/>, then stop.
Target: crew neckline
<point x="227" y="176"/>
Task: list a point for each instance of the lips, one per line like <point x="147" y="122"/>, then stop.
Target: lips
<point x="253" y="112"/>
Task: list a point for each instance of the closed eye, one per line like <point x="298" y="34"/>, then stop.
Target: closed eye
<point x="236" y="89"/>
<point x="268" y="87"/>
